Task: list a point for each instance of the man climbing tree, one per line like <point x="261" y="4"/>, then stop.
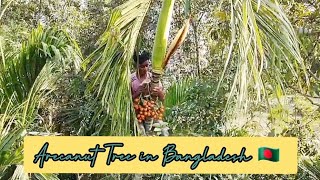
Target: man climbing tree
<point x="140" y="89"/>
<point x="141" y="78"/>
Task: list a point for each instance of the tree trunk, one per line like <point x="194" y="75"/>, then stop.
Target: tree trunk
<point x="195" y="31"/>
<point x="156" y="77"/>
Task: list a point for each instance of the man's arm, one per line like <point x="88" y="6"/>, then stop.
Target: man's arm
<point x="141" y="89"/>
<point x="162" y="92"/>
<point x="135" y="94"/>
<point x="159" y="91"/>
<point x="161" y="95"/>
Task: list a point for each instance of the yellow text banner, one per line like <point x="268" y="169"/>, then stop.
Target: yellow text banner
<point x="183" y="155"/>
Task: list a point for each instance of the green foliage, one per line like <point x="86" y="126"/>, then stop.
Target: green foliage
<point x="177" y="93"/>
<point x="11" y="133"/>
<point x="201" y="113"/>
<point x="83" y="20"/>
<point x="110" y="72"/>
<point x="44" y="46"/>
<point x="302" y="122"/>
<point x="265" y="44"/>
<point x="16" y="118"/>
<point x="78" y="113"/>
<point x="309" y="168"/>
<point x="25" y="79"/>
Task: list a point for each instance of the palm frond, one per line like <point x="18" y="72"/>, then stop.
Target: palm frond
<point x="311" y="167"/>
<point x="17" y="118"/>
<point x="187" y="8"/>
<point x="42" y="86"/>
<point x="259" y="29"/>
<point x="2" y="53"/>
<point x="112" y="60"/>
<point x="161" y="37"/>
<point x="87" y="119"/>
<point x="25" y="80"/>
<point x="10" y="133"/>
<point x="177" y="93"/>
<point x="43" y="46"/>
<point x="19" y="173"/>
<point x="3" y="10"/>
<point x="46" y="176"/>
<point x="177" y="42"/>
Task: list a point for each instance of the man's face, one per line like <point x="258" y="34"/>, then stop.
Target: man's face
<point x="143" y="68"/>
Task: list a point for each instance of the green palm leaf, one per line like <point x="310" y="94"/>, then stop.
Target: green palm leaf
<point x="43" y="46"/>
<point x="110" y="72"/>
<point x="2" y="10"/>
<point x="46" y="176"/>
<point x="10" y="133"/>
<point x="311" y="167"/>
<point x="25" y="80"/>
<point x="264" y="44"/>
<point x="17" y="119"/>
<point x="177" y="93"/>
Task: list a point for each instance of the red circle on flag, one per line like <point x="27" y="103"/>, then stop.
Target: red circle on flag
<point x="267" y="153"/>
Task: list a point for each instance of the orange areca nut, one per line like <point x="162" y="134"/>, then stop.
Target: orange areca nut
<point x="148" y="108"/>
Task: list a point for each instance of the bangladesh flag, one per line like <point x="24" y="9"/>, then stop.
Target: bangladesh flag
<point x="269" y="154"/>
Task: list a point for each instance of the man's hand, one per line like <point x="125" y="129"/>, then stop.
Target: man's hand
<point x="158" y="92"/>
<point x="140" y="90"/>
<point x="143" y="88"/>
